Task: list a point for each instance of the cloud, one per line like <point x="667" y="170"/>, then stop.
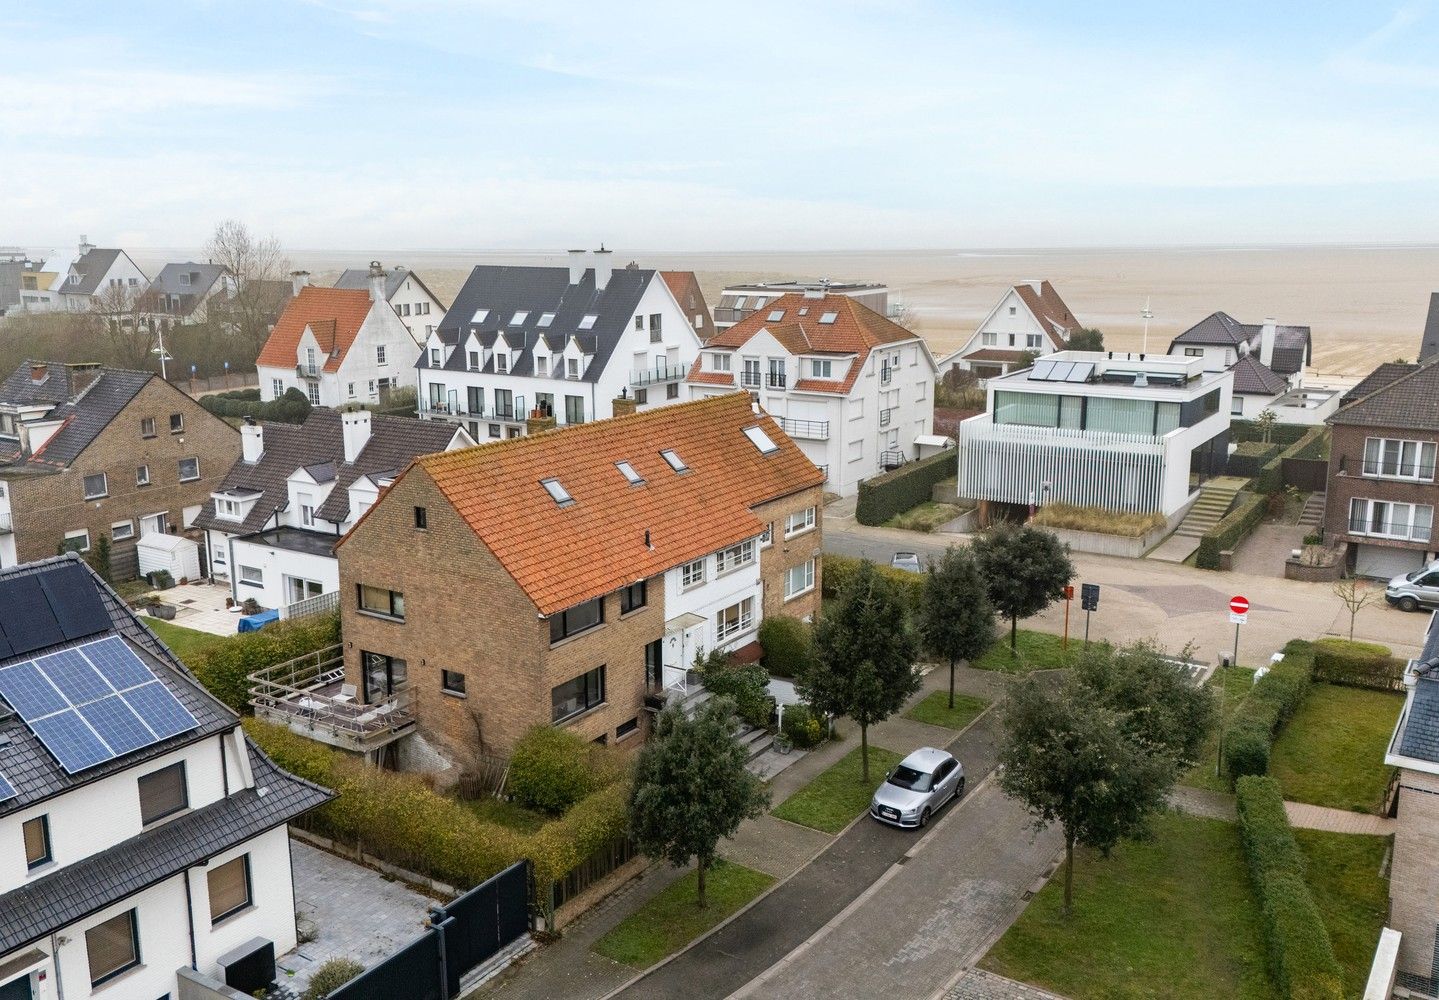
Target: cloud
<point x="1364" y="61"/>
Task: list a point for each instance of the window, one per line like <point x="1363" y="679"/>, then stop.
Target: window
<point x="1385" y="519"/>
<point x="761" y="440"/>
<point x="639" y="321"/>
<point x="775" y="316"/>
<point x="989" y="339"/>
<point x="674" y="461"/>
<point x="452" y="682"/>
<point x="625" y="728"/>
<point x="574" y="409"/>
<point x="37" y="841"/>
<point x="799" y="580"/>
<point x="1013" y="310"/>
<point x="572" y="368"/>
<point x="557" y="492"/>
<point x="693" y="573"/>
<point x="307" y="509"/>
<point x="632" y="598"/>
<point x="799" y="522"/>
<point x="588" y="321"/>
<point x="628" y="471"/>
<point x="580" y="618"/>
<point x="720" y="362"/>
<point x="252" y="575"/>
<point x="1236" y="405"/>
<point x="1031" y="341"/>
<point x="350" y="391"/>
<point x="494" y="430"/>
<point x="749" y="375"/>
<point x="122" y="530"/>
<point x="1194" y="352"/>
<point x="1397" y="459"/>
<point x="545" y="403"/>
<point x="505" y="404"/>
<point x="422" y="518"/>
<point x="112" y="947"/>
<point x="147" y="424"/>
<point x="546" y="319"/>
<point x="228" y="509"/>
<point x="379" y="354"/>
<point x="502" y="363"/>
<point x="642" y="396"/>
<point x="542" y="365"/>
<point x="312" y="391"/>
<point x="479" y="316"/>
<point x="734" y="619"/>
<point x="828" y="318"/>
<point x="734" y="556"/>
<point x="739" y="301"/>
<point x="822" y="369"/>
<point x="579" y="695"/>
<point x="434" y="357"/>
<point x="1210" y="402"/>
<point x="163" y="793"/>
<point x="404" y="309"/>
<point x="655" y="337"/>
<point x="229" y="886"/>
<point x="766" y="539"/>
<point x="379" y="601"/>
<point x="177" y="423"/>
<point x="189" y="469"/>
<point x="96" y="486"/>
<point x="672" y="391"/>
<point x="76" y="541"/>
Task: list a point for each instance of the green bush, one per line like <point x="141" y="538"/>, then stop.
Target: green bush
<point x="1270" y="478"/>
<point x="1358" y="664"/>
<point x="1281" y="434"/>
<point x="1301" y="957"/>
<point x="802" y="726"/>
<point x="1233" y="528"/>
<point x="884" y="496"/>
<point x="223" y="665"/>
<point x="840" y="570"/>
<point x="747" y="684"/>
<point x="786" y="643"/>
<point x="1249" y="735"/>
<point x="552" y="769"/>
<point x="1249" y="457"/>
<point x="331" y="976"/>
<point x="291" y="408"/>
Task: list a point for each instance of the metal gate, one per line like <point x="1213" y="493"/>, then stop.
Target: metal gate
<point x="412" y="973"/>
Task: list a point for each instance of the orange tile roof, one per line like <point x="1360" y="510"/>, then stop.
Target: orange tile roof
<point x="856" y="329"/>
<point x="562" y="556"/>
<point x="711" y="378"/>
<point x="1049" y="309"/>
<point x="334" y="315"/>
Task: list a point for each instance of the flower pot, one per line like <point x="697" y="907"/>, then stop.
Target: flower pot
<point x="165" y="612"/>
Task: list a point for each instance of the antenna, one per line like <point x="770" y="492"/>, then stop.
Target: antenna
<point x="1147" y="316"/>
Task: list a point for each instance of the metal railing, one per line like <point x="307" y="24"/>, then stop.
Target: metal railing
<point x="6" y="527"/>
<point x="1415" y="471"/>
<point x="307" y="371"/>
<point x="660" y="373"/>
<point x="433" y="408"/>
<point x="1400" y="530"/>
<point x="813" y="430"/>
<point x="775" y="380"/>
<point x="750" y="380"/>
<point x="307" y="696"/>
<point x="886" y="374"/>
<point x="886" y="417"/>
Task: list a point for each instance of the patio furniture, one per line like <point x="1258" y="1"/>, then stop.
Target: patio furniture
<point x="347" y="693"/>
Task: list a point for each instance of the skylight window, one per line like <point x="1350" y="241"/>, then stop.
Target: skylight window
<point x="628" y="471"/>
<point x="557" y="492"/>
<point x="760" y="440"/>
<point x="588" y="322"/>
<point x="739" y="301"/>
<point x="519" y="318"/>
<point x="479" y="316"/>
<point x="804" y="310"/>
<point x="546" y="319"/>
<point x="829" y="317"/>
<point x="675" y="462"/>
<point x="776" y="316"/>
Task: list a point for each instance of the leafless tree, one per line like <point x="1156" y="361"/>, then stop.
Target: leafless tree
<point x="260" y="271"/>
<point x="123" y="319"/>
<point x="1356" y="595"/>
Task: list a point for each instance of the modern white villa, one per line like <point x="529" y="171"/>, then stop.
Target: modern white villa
<point x="1123" y="432"/>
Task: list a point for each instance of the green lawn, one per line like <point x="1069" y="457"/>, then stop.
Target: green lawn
<point x="507" y="814"/>
<point x="935" y="710"/>
<point x="183" y="642"/>
<point x="671" y="920"/>
<point x="1174" y="917"/>
<point x="1236" y="683"/>
<point x="839" y="794"/>
<point x="1036" y="651"/>
<point x="925" y="517"/>
<point x="1343" y="872"/>
<point x="1332" y="752"/>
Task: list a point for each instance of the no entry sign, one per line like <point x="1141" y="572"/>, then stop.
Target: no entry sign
<point x="1238" y="610"/>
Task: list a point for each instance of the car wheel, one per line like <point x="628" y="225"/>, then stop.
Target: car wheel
<point x="924" y="817"/>
<point x="959" y="792"/>
<point x="1408" y="604"/>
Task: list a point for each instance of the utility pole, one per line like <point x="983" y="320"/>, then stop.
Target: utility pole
<point x="1147" y="315"/>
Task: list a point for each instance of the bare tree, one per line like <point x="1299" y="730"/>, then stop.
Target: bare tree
<point x="123" y="319"/>
<point x="1356" y="596"/>
<point x="260" y="270"/>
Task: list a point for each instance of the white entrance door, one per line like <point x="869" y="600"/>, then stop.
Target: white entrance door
<point x="154" y="524"/>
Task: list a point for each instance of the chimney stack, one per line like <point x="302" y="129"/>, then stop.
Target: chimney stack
<point x="252" y="441"/>
<point x="355" y="428"/>
<point x="577" y="266"/>
<point x="377" y="282"/>
<point x="85" y="245"/>
<point x="1266" y="342"/>
<point x="298" y="280"/>
<point x="603" y="266"/>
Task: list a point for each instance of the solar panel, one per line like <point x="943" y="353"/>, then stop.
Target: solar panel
<point x="7" y="790"/>
<point x="1041" y="371"/>
<point x="1060" y="371"/>
<point x="71" y="741"/>
<point x="1081" y="372"/>
<point x="69" y="671"/>
<point x="28" y="692"/>
<point x="160" y="709"/>
<point x="29" y="622"/>
<point x="70" y="591"/>
<point x="117" y="663"/>
<point x="117" y="724"/>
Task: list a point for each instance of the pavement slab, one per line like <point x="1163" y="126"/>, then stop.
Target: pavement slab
<point x="774" y="846"/>
<point x="976" y="984"/>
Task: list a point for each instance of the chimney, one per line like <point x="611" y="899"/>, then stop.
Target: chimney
<point x="623" y="406"/>
<point x="603" y="266"/>
<point x="577" y="266"/>
<point x="85" y="245"/>
<point x="377" y="282"/>
<point x="298" y="280"/>
<point x="1033" y="283"/>
<point x="38" y="373"/>
<point x="355" y="426"/>
<point x="252" y="441"/>
<point x="1266" y="343"/>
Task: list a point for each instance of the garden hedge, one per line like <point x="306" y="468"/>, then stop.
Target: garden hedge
<point x="1249" y="457"/>
<point x="1301" y="956"/>
<point x="1281" y="434"/>
<point x="1358" y="664"/>
<point x="786" y="643"/>
<point x="1230" y="531"/>
<point x="1250" y="732"/>
<point x="291" y="408"/>
<point x="840" y="570"/>
<point x="552" y="769"/>
<point x="884" y="496"/>
<point x="223" y="665"/>
<point x="1270" y="479"/>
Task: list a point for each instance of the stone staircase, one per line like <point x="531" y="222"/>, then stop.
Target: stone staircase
<point x="1313" y="512"/>
<point x="1215" y="499"/>
<point x="762" y="759"/>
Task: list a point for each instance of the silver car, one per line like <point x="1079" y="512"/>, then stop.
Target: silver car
<point x="1415" y="590"/>
<point x="908" y="561"/>
<point x="915" y="790"/>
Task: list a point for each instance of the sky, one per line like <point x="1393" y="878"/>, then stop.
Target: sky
<point x="455" y="124"/>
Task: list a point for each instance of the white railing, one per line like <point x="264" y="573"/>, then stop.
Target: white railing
<point x="317" y="605"/>
<point x="676" y="679"/>
<point x="307" y="696"/>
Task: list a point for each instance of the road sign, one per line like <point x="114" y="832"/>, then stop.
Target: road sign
<point x="1239" y="605"/>
<point x="1089" y="596"/>
<point x="1068" y="593"/>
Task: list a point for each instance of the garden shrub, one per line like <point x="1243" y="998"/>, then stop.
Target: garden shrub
<point x="291" y="408"/>
<point x="1301" y="957"/>
<point x="552" y="769"/>
<point x="840" y="570"/>
<point x="1249" y="735"/>
<point x="1233" y="528"/>
<point x="1270" y="479"/>
<point x="804" y="728"/>
<point x="331" y="976"/>
<point x="1282" y="435"/>
<point x="747" y="684"/>
<point x="786" y="643"/>
<point x="1249" y="457"/>
<point x="223" y="665"/>
<point x="1358" y="664"/>
<point x="882" y="497"/>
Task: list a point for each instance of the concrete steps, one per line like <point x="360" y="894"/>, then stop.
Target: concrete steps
<point x="760" y="756"/>
<point x="1313" y="512"/>
<point x="1213" y="503"/>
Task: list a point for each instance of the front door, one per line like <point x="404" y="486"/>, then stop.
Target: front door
<point x="18" y="990"/>
<point x="384" y="675"/>
<point x="154" y="524"/>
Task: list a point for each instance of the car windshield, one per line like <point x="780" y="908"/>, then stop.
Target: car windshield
<point x="908" y="777"/>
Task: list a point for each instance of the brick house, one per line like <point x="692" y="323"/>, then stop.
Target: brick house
<point x="1381" y="486"/>
<point x="87" y="452"/>
<point x="569" y="577"/>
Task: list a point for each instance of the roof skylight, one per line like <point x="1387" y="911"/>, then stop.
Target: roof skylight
<point x="675" y="462"/>
<point x="546" y="319"/>
<point x="519" y="318"/>
<point x="804" y="310"/>
<point x="628" y="471"/>
<point x="588" y="322"/>
<point x="761" y="440"/>
<point x="739" y="301"/>
<point x="776" y="316"/>
<point x="479" y="316"/>
<point x="829" y="317"/>
<point x="557" y="492"/>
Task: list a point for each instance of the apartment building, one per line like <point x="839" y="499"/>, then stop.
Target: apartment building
<point x="853" y="389"/>
<point x="1029" y="318"/>
<point x="418" y="307"/>
<point x="738" y="303"/>
<point x="570" y="577"/>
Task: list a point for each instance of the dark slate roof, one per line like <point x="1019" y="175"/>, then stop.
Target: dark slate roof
<point x="1218" y="329"/>
<point x="202" y="276"/>
<point x="29" y="767"/>
<point x="1292" y="349"/>
<point x="1428" y="346"/>
<point x="1377" y="379"/>
<point x="359" y="277"/>
<point x="31" y="912"/>
<point x="1252" y="378"/>
<point x="10" y="273"/>
<point x="85" y="402"/>
<point x="1409" y="401"/>
<point x="92" y="267"/>
<point x="506" y="290"/>
<point x="1421" y="727"/>
<point x="318" y="442"/>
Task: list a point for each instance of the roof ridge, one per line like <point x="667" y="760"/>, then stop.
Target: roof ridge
<point x="1421" y="366"/>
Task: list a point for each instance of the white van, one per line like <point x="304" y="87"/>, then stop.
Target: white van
<point x="1414" y="590"/>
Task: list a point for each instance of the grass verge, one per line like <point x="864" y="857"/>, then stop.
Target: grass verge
<point x="1036" y="651"/>
<point x="926" y="517"/>
<point x="1108" y="522"/>
<point x="839" y="794"/>
<point x="935" y="710"/>
<point x="1343" y="874"/>
<point x="1332" y="752"/>
<point x="1175" y="916"/>
<point x="1234" y="684"/>
<point x="183" y="642"/>
<point x="671" y="920"/>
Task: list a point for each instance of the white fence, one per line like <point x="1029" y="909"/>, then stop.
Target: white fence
<point x="320" y="605"/>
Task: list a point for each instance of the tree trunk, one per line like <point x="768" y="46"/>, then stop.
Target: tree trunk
<point x="951" y="683"/>
<point x="1068" y="873"/>
<point x="864" y="750"/>
<point x="1014" y="636"/>
<point x="1352" y="616"/>
<point x="701" y="870"/>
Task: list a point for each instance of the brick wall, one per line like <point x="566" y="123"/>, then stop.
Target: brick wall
<point x="1414" y="875"/>
<point x="1346" y="481"/>
<point x="44" y="507"/>
<point x="779" y="557"/>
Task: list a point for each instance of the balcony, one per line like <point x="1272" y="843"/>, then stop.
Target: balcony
<point x="810" y="430"/>
<point x="307" y="371"/>
<point x="1399" y="531"/>
<point x="514" y="411"/>
<point x="749" y="380"/>
<point x="306" y="696"/>
<point x="1416" y="472"/>
<point x="775" y="380"/>
<point x="434" y="410"/>
<point x="886" y="417"/>
<point x="657" y="375"/>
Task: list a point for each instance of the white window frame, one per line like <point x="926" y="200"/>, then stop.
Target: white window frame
<point x="104" y="486"/>
<point x="380" y="354"/>
<point x="988" y="339"/>
<point x="252" y="576"/>
<point x="129" y="531"/>
<point x="78" y="533"/>
<point x="277" y="387"/>
<point x="734" y="620"/>
<point x="806" y="571"/>
<point x="821" y="368"/>
<point x="766" y="538"/>
<point x="1411" y="509"/>
<point x="142" y="480"/>
<point x="227" y="509"/>
<point x="799" y="522"/>
<point x="734" y="557"/>
<point x="1416" y="460"/>
<point x="179" y="465"/>
<point x="692" y="574"/>
<point x="720" y="362"/>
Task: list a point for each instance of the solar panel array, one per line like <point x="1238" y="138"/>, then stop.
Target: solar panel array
<point x="44" y="609"/>
<point x="92" y="703"/>
<point x="7" y="790"/>
<point x="1061" y="371"/>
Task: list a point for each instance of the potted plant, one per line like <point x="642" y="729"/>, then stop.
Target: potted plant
<point x="251" y="606"/>
<point x="165" y="612"/>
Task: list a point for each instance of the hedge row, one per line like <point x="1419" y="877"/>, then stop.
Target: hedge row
<point x="1301" y="957"/>
<point x="1249" y="736"/>
<point x="223" y="665"/>
<point x="840" y="570"/>
<point x="1249" y="457"/>
<point x="1358" y="664"/>
<point x="1270" y="479"/>
<point x="1281" y="434"/>
<point x="884" y="496"/>
<point x="291" y="408"/>
<point x="1231" y="529"/>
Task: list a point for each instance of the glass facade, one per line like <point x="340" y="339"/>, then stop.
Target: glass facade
<point x="1090" y="413"/>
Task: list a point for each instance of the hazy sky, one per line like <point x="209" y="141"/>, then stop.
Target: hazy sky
<point x="741" y="125"/>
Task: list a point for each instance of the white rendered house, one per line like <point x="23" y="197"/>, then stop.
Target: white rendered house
<point x="140" y="831"/>
<point x="338" y="345"/>
<point x="1029" y="318"/>
<point x="1092" y="429"/>
<point x="418" y="307"/>
<point x="853" y="389"/>
<point x="558" y="344"/>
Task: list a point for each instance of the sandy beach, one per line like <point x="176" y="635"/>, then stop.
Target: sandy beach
<point x="1366" y="304"/>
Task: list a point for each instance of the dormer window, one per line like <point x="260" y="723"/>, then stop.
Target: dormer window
<point x="822" y="369"/>
<point x="479" y="316"/>
<point x="474" y="361"/>
<point x="572" y="367"/>
<point x="557" y="492"/>
<point x="628" y="471"/>
<point x="739" y="301"/>
<point x="519" y="318"/>
<point x="434" y="357"/>
<point x="675" y="462"/>
<point x="542" y="365"/>
<point x="588" y="322"/>
<point x="546" y="319"/>
<point x="184" y="279"/>
<point x="502" y="363"/>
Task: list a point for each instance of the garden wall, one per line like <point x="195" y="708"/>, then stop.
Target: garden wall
<point x="884" y="496"/>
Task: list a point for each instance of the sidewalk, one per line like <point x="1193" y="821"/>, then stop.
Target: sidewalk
<point x="1218" y="805"/>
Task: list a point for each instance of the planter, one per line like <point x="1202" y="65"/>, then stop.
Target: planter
<point x="1131" y="547"/>
<point x="165" y="612"/>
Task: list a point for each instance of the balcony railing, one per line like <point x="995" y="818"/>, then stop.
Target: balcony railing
<point x="812" y="430"/>
<point x="433" y="408"/>
<point x="307" y="371"/>
<point x="308" y="696"/>
<point x="661" y="373"/>
<point x="515" y="411"/>
<point x="886" y="375"/>
<point x="749" y="380"/>
<point x="1416" y="472"/>
<point x="1403" y="531"/>
<point x="5" y="525"/>
<point x="775" y="380"/>
<point x="886" y="417"/>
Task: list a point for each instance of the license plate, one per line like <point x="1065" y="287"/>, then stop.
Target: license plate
<point x="889" y="813"/>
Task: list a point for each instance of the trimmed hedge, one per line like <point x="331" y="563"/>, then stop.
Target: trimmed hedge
<point x="1233" y="528"/>
<point x="223" y="665"/>
<point x="291" y="408"/>
<point x="552" y="769"/>
<point x="786" y="642"/>
<point x="840" y="570"/>
<point x="1249" y="736"/>
<point x="1249" y="457"/>
<point x="1270" y="479"/>
<point x="1281" y="434"/>
<point x="1358" y="664"/>
<point x="1301" y="956"/>
<point x="884" y="496"/>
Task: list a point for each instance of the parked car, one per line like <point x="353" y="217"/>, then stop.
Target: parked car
<point x="908" y="561"/>
<point x="918" y="788"/>
<point x="1413" y="590"/>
